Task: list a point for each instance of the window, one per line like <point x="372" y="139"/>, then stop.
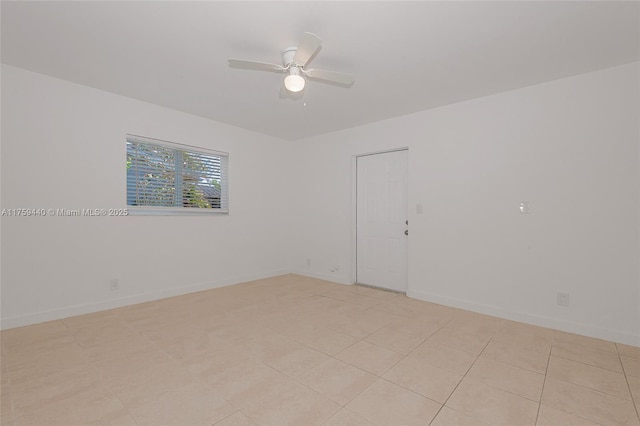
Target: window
<point x="170" y="178"/>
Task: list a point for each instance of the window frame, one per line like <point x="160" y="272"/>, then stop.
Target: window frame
<point x="182" y="211"/>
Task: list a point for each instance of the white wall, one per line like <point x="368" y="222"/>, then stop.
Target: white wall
<point x="63" y="146"/>
<point x="569" y="147"/>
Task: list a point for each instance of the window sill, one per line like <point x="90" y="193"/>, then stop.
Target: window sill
<point x="166" y="211"/>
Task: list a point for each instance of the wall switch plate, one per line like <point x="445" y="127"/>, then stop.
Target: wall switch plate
<point x="563" y="299"/>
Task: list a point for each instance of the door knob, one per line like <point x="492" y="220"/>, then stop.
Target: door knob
<point x="406" y="232"/>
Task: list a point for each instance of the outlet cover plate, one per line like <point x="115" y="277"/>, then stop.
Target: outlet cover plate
<point x="563" y="299"/>
<point x="114" y="284"/>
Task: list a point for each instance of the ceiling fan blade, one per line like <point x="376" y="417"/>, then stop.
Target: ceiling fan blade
<point x="308" y="46"/>
<point x="254" y="65"/>
<point x="332" y="76"/>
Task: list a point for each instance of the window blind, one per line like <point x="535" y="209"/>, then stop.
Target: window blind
<point x="172" y="177"/>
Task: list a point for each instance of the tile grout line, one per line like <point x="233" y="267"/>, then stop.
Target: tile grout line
<point x="307" y="387"/>
<point x="331" y="356"/>
<point x="591" y="365"/>
<point x="544" y="382"/>
<point x="92" y="363"/>
<point x="139" y="335"/>
<point x="514" y="365"/>
<point x="386" y="371"/>
<point x="444" y="404"/>
<point x="226" y="417"/>
<point x="583" y="387"/>
<point x="601" y="392"/>
<point x="626" y="378"/>
<point x="378" y="377"/>
<point x="260" y="314"/>
<point x="412" y="351"/>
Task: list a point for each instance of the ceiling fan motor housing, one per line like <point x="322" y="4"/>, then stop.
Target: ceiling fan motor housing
<point x="287" y="55"/>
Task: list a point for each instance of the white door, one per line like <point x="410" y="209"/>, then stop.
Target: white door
<point x="381" y="227"/>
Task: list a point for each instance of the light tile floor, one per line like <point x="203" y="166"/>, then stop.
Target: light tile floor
<point x="298" y="351"/>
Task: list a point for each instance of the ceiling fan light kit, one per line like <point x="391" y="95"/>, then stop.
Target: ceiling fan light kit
<point x="294" y="82"/>
<point x="294" y="61"/>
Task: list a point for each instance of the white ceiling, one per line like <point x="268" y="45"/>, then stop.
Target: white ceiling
<point x="406" y="56"/>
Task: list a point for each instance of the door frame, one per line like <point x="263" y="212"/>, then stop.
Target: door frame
<point x="354" y="206"/>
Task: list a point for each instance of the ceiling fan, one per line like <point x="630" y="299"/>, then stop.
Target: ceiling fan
<point x="294" y="62"/>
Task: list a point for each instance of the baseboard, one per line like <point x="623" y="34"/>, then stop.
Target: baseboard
<point x="323" y="276"/>
<point x="542" y="321"/>
<point x="539" y="320"/>
<point x="71" y="311"/>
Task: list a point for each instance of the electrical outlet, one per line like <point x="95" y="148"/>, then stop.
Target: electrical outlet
<point x="114" y="284"/>
<point x="563" y="299"/>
